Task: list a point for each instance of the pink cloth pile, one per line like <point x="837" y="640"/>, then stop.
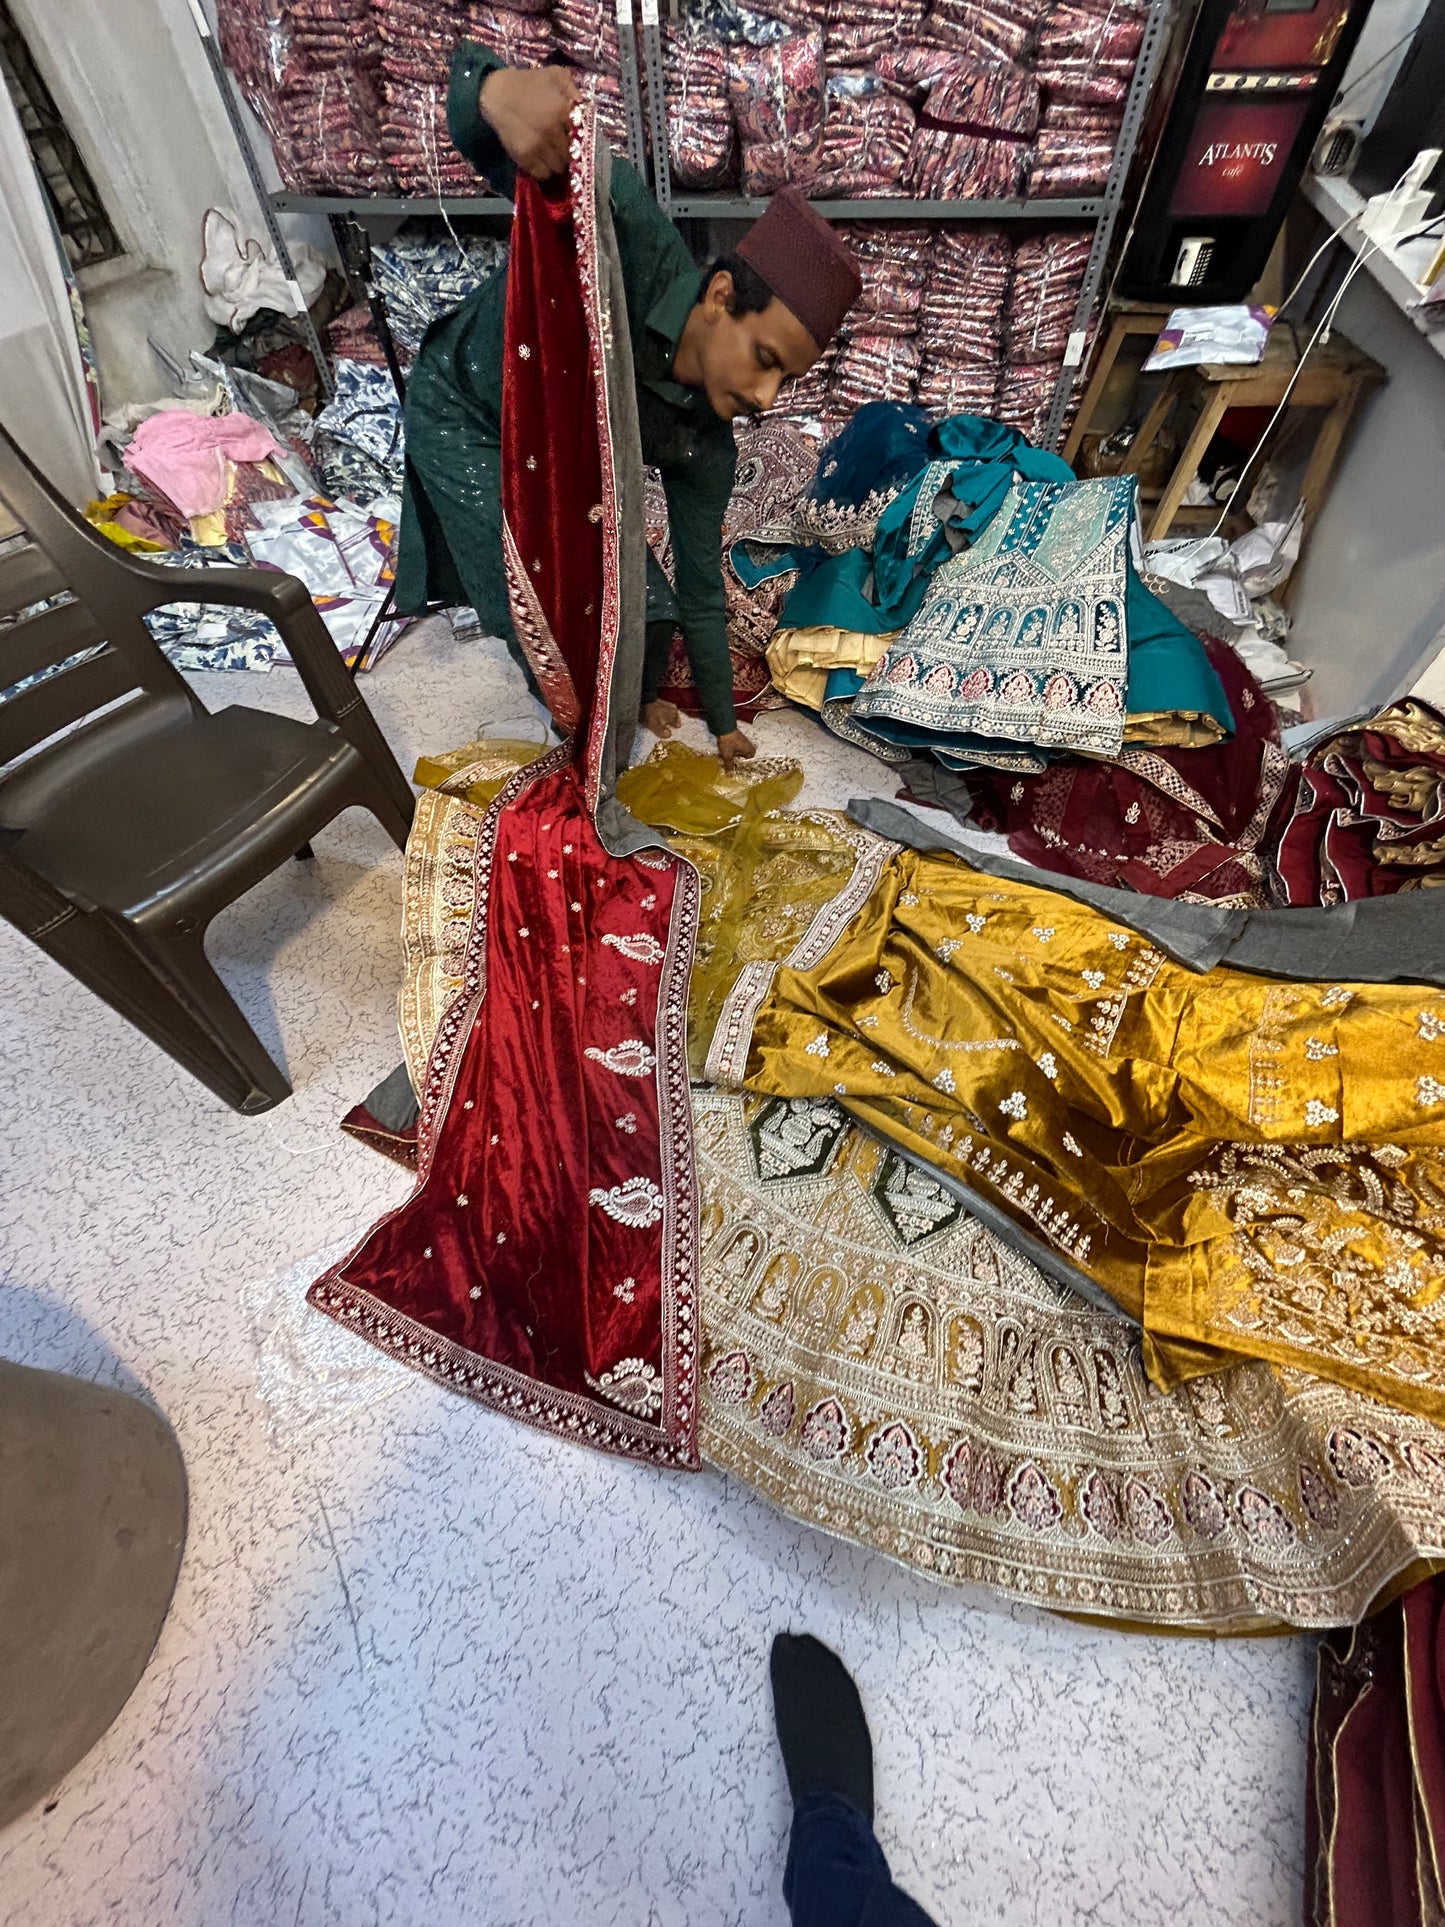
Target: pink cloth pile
<point x="702" y="144"/>
<point x="778" y="99"/>
<point x="963" y="321"/>
<point x="417" y="39"/>
<point x="586" y="33"/>
<point x="185" y="455"/>
<point x="866" y="139"/>
<point x="974" y="131"/>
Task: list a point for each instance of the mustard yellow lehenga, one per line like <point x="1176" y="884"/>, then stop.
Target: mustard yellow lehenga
<point x="1252" y="1170"/>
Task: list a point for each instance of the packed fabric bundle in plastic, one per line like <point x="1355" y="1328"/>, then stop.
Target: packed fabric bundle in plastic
<point x="974" y="129"/>
<point x="778" y="97"/>
<point x="874" y="368"/>
<point x="415" y="140"/>
<point x="1048" y="274"/>
<point x="586" y="34"/>
<point x="866" y="138"/>
<point x="964" y="167"/>
<point x="272" y="44"/>
<point x="991" y="98"/>
<point x="915" y="66"/>
<point x="605" y="91"/>
<point x="957" y="387"/>
<point x="417" y="40"/>
<point x="421" y="276"/>
<point x="807" y="396"/>
<point x="1003" y="26"/>
<point x="1087" y="52"/>
<point x="1065" y="163"/>
<point x="967" y="295"/>
<point x="326" y="131"/>
<point x="1025" y="395"/>
<point x="519" y="39"/>
<point x="894" y="259"/>
<point x="702" y="143"/>
<point x="325" y="33"/>
<point x="856" y="32"/>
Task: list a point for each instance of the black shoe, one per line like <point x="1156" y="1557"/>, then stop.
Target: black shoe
<point x="822" y="1729"/>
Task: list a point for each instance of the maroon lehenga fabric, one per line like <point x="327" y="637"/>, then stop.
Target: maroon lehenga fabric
<point x="1188" y="823"/>
<point x="1375" y="1779"/>
<point x="546" y="1262"/>
<point x="1366" y="813"/>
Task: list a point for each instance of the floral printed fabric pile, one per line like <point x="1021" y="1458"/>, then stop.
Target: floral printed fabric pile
<point x="353" y="93"/>
<point x="311" y="70"/>
<point x="942" y="99"/>
<point x="417" y="41"/>
<point x="960" y="319"/>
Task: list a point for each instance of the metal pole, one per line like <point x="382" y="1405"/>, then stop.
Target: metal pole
<point x="631" y="89"/>
<point x="656" y="105"/>
<point x="1151" y="52"/>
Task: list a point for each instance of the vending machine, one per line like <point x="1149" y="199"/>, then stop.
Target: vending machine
<point x="1251" y="93"/>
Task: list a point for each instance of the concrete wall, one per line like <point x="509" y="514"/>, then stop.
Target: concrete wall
<point x="1370" y="600"/>
<point x="132" y="80"/>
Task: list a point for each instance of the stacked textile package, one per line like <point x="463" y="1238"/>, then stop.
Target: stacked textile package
<point x="962" y="320"/>
<point x="311" y="71"/>
<point x="943" y="99"/>
<point x="417" y="41"/>
<point x="353" y="93"/>
<point x="1043" y="296"/>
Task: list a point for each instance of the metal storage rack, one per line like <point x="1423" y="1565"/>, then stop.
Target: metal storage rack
<point x="641" y="54"/>
<point x="1103" y="210"/>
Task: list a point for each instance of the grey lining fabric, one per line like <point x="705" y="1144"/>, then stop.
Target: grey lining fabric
<point x="1375" y="940"/>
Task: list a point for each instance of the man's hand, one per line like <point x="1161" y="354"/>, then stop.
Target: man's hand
<point x="528" y="110"/>
<point x="661" y="718"/>
<point x="734" y="745"/>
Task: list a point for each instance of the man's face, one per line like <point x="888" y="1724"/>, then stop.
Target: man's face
<point x="746" y="358"/>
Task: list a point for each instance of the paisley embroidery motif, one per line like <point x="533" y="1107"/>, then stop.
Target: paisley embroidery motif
<point x="640" y="948"/>
<point x="637" y="1203"/>
<point x="632" y="1058"/>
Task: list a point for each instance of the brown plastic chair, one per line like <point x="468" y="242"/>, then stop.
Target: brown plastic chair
<point x="130" y="815"/>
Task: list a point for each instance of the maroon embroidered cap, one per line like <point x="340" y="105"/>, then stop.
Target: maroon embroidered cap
<point x="804" y="263"/>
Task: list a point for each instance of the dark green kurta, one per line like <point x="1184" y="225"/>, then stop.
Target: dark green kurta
<point x="451" y="535"/>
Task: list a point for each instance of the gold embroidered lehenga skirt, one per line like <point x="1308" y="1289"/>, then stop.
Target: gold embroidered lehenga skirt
<point x="883" y="1366"/>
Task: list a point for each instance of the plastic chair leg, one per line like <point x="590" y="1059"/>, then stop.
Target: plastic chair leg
<point x="255" y="1081"/>
<point x="112" y="961"/>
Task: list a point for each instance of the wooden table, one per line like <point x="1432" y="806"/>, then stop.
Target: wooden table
<point x="1334" y="377"/>
<point x="1126" y="318"/>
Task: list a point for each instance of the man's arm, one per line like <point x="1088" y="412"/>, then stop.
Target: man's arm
<point x="695" y="510"/>
<point x="505" y="118"/>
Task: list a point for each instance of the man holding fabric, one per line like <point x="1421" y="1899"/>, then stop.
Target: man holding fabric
<point x="707" y="347"/>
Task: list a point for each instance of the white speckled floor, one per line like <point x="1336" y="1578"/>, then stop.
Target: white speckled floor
<point x="425" y="1666"/>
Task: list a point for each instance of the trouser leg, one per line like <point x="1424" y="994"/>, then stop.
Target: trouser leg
<point x="837" y="1875"/>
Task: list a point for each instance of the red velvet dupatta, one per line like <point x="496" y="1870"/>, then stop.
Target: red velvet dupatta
<point x="546" y="1262"/>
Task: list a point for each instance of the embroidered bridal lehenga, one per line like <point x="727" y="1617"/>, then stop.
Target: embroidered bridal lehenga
<point x="989" y="1234"/>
